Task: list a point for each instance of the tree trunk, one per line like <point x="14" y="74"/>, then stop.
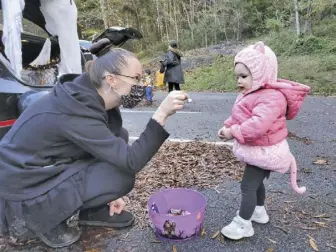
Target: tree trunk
<point x="215" y="17"/>
<point x="175" y="20"/>
<point x="158" y="19"/>
<point x="103" y="9"/>
<point x="205" y="28"/>
<point x="224" y="22"/>
<point x="192" y="8"/>
<point x="166" y="24"/>
<point x="192" y="18"/>
<point x="137" y="16"/>
<point x="238" y="27"/>
<point x="226" y="37"/>
<point x="170" y="13"/>
<point x="297" y="18"/>
<point x="189" y="22"/>
<point x="308" y="21"/>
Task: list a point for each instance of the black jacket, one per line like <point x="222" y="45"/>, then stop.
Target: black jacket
<point x="63" y="132"/>
<point x="172" y="62"/>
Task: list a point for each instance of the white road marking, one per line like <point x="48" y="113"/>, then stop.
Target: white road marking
<point x="181" y="140"/>
<point x="152" y="111"/>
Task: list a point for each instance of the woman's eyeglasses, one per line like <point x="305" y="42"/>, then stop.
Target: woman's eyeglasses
<point x="136" y="78"/>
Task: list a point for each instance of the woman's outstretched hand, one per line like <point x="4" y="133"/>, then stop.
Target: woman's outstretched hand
<point x="173" y="102"/>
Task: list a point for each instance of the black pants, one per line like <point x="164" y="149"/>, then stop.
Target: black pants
<point x="93" y="186"/>
<point x="171" y="86"/>
<point x="253" y="190"/>
<point x="104" y="183"/>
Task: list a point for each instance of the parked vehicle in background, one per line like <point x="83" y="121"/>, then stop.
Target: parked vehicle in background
<point x="17" y="92"/>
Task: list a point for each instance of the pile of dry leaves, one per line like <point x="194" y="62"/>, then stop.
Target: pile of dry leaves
<point x="192" y="164"/>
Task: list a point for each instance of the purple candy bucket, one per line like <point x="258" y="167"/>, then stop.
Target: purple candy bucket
<point x="180" y="227"/>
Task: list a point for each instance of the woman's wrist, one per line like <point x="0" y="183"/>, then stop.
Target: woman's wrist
<point x="160" y="117"/>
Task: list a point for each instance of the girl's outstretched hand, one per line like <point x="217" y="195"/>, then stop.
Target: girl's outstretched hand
<point x="225" y="133"/>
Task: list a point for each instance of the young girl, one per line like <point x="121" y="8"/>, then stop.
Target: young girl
<point x="258" y="125"/>
<point x="149" y="88"/>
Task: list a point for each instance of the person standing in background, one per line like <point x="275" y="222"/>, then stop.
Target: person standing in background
<point x="149" y="88"/>
<point x="173" y="69"/>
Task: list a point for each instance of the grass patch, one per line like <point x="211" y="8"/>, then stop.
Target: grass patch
<point x="317" y="71"/>
<point x="217" y="77"/>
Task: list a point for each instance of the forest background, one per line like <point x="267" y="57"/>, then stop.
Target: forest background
<point x="301" y="32"/>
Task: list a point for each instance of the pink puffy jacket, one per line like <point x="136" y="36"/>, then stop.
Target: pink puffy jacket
<point x="259" y="116"/>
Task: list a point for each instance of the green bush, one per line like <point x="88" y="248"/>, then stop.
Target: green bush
<point x="287" y="43"/>
<point x="87" y="34"/>
<point x="325" y="29"/>
<point x="313" y="70"/>
<point x="311" y="45"/>
<point x="219" y="76"/>
<point x="273" y="25"/>
<point x="281" y="41"/>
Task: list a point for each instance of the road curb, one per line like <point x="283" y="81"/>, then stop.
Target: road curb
<point x="181" y="140"/>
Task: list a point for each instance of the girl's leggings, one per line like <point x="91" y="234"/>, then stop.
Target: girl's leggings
<point x="253" y="190"/>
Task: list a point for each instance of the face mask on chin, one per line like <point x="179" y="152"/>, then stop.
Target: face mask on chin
<point x="136" y="95"/>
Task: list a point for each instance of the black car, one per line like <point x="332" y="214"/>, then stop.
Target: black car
<point x="16" y="94"/>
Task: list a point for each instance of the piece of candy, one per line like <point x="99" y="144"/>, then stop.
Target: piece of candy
<point x="155" y="208"/>
<point x="178" y="212"/>
<point x="185" y="213"/>
<point x="175" y="211"/>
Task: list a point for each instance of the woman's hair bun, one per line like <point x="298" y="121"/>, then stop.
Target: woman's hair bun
<point x="100" y="47"/>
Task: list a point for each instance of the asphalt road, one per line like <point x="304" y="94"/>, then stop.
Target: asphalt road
<point x="291" y="215"/>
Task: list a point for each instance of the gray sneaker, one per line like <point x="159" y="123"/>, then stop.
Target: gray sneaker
<point x="61" y="236"/>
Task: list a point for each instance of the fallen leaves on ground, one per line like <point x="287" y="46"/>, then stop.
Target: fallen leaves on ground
<point x="93" y="250"/>
<point x="270" y="239"/>
<point x="203" y="233"/>
<point x="215" y="235"/>
<point x="269" y="250"/>
<point x="282" y="229"/>
<point x="312" y="243"/>
<point x="292" y="216"/>
<point x="321" y="162"/>
<point x="308" y="228"/>
<point x="322" y="224"/>
<point x="305" y="140"/>
<point x="307" y="170"/>
<point x="193" y="164"/>
<point x="321" y="216"/>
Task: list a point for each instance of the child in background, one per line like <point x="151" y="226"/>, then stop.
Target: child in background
<point x="258" y="125"/>
<point x="149" y="88"/>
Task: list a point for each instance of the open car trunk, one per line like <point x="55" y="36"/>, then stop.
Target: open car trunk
<point x="32" y="46"/>
<point x="18" y="88"/>
<point x="33" y="13"/>
<point x="66" y="55"/>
